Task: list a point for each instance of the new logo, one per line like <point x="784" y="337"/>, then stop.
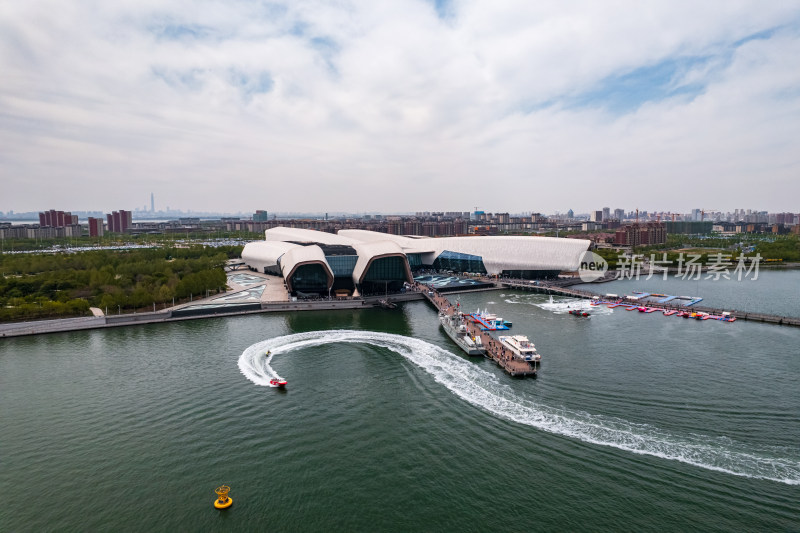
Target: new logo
<point x="592" y="267"/>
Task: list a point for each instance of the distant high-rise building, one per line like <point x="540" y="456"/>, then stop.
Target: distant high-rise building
<point x="596" y="216"/>
<point x="152" y="203"/>
<point x="606" y="213"/>
<point x="570" y="214"/>
<point x="95" y="227"/>
<point x="619" y="214"/>
<point x="119" y="221"/>
<point x="641" y="234"/>
<point x="262" y="216"/>
<point x="57" y="219"/>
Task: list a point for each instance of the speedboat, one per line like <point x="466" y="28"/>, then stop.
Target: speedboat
<point x="277" y="382"/>
<point x="578" y="312"/>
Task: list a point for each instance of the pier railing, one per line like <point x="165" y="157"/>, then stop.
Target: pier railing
<point x="546" y="288"/>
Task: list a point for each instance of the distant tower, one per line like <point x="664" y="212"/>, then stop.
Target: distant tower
<point x="152" y="203"/>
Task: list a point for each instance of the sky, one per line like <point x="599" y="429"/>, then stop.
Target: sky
<point x="397" y="106"/>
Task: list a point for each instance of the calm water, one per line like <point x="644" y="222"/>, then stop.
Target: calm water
<point x="636" y="422"/>
<point x="774" y="292"/>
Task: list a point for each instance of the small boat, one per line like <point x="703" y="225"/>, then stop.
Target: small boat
<point x="488" y="321"/>
<point x="578" y="312"/>
<point x="277" y="382"/>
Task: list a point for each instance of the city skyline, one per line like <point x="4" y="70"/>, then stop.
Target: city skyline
<point x="400" y="107"/>
<point x="605" y="214"/>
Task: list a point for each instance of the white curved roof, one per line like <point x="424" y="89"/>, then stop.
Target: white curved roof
<point x="281" y="233"/>
<point x="367" y="251"/>
<point x="408" y="244"/>
<point x="262" y="254"/>
<point x="518" y="252"/>
<point x="498" y="252"/>
<point x="303" y="255"/>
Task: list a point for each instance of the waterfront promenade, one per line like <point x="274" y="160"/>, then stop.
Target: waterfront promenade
<point x="244" y="298"/>
<point x="18" y="329"/>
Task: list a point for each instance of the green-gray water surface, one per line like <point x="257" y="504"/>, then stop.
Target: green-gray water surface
<point x="636" y="422"/>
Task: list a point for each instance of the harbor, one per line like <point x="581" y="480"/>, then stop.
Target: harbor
<point x="669" y="305"/>
<point x="492" y="348"/>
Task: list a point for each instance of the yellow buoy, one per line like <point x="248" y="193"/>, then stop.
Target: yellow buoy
<point x="223" y="501"/>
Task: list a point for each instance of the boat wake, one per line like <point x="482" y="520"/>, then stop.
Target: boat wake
<point x="561" y="306"/>
<point x="485" y="391"/>
<point x="257" y="366"/>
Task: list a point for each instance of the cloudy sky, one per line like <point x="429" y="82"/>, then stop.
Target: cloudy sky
<point x="400" y="105"/>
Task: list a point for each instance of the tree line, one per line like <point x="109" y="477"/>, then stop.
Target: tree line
<point x="35" y="286"/>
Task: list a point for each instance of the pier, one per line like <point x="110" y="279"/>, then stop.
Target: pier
<point x="548" y="288"/>
<point x="494" y="350"/>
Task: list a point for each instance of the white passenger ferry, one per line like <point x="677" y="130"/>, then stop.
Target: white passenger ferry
<point x="521" y="347"/>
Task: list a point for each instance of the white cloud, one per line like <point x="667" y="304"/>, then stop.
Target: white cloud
<point x="385" y="106"/>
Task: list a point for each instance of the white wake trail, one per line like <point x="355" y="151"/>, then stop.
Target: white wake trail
<point x="485" y="391"/>
<point x="561" y="306"/>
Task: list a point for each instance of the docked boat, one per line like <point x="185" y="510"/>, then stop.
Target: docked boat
<point x="387" y="304"/>
<point x="488" y="321"/>
<point x="457" y="330"/>
<point x="521" y="347"/>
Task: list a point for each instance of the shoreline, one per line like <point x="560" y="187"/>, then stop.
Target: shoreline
<point x="62" y="325"/>
<point x="181" y="312"/>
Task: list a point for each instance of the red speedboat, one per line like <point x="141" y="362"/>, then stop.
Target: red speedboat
<point x="277" y="382"/>
<point x="578" y="312"/>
